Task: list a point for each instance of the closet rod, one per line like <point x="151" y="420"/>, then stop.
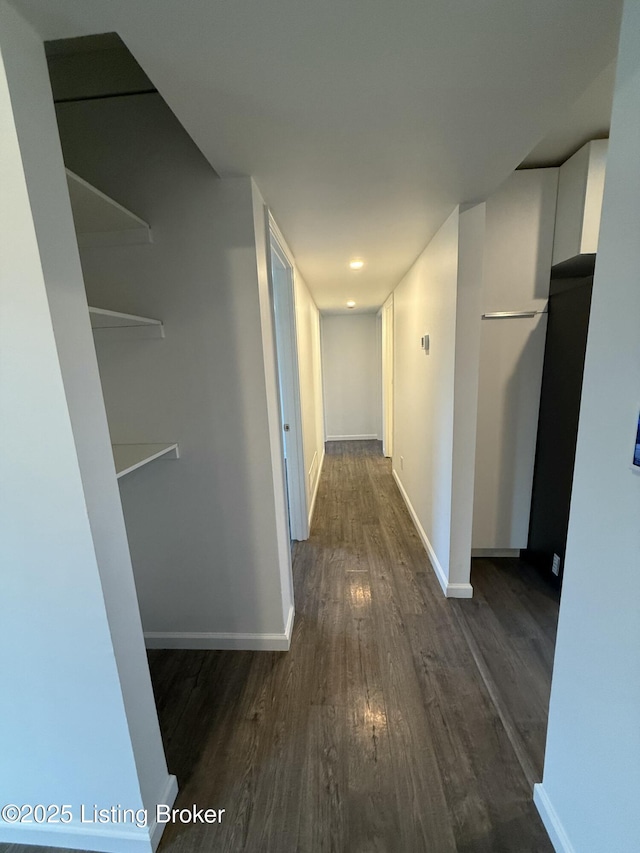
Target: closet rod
<point x="507" y="315"/>
<point x="104" y="97"/>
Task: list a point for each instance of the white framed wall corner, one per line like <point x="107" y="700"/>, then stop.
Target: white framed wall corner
<point x="386" y="314"/>
<point x="70" y="621"/>
<point x="297" y="323"/>
<point x="282" y="293"/>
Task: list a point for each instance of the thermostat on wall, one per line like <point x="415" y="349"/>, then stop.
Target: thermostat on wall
<point x="424" y="343"/>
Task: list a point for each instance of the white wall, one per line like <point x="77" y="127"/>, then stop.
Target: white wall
<point x="517" y="270"/>
<point x="78" y="723"/>
<point x="471" y="243"/>
<point x="580" y="189"/>
<point x="591" y="788"/>
<point x="351" y="372"/>
<point x="311" y="399"/>
<point x="386" y="353"/>
<point x="206" y="532"/>
<point x="434" y="394"/>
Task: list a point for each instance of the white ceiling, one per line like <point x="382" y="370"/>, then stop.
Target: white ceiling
<point x="363" y="121"/>
<point x="588" y="118"/>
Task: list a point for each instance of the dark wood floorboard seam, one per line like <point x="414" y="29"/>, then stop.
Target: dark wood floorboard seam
<point x="516" y="741"/>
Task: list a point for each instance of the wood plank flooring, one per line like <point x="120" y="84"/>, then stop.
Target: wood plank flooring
<point x="377" y="731"/>
<point x="510" y="625"/>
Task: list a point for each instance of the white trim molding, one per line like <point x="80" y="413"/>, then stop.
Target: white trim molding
<point x="107" y="838"/>
<point x="552" y="823"/>
<point x="451" y="590"/>
<point x="459" y="590"/>
<point x="168" y="799"/>
<point x="288" y="628"/>
<point x="282" y="297"/>
<point x="222" y="640"/>
<point x="79" y="837"/>
<point x="316" y="487"/>
<point x="352" y="437"/>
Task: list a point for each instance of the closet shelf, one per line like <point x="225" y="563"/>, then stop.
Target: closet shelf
<point x="129" y="457"/>
<point x="105" y="322"/>
<point x="100" y="220"/>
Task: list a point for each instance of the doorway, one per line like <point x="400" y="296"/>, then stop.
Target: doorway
<point x="283" y="299"/>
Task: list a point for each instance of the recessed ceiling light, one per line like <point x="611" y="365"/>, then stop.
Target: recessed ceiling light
<point x="356" y="265"/>
<point x="351" y="304"/>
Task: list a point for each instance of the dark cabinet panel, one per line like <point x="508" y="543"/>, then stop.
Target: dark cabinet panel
<point x="569" y="304"/>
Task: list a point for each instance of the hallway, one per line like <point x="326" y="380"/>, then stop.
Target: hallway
<point x="375" y="732"/>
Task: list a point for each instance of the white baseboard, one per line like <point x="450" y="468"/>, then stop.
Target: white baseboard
<point x="168" y="799"/>
<point x="215" y="640"/>
<point x="107" y="838"/>
<point x="459" y="590"/>
<point x="551" y="821"/>
<point x="451" y="590"/>
<point x="288" y="628"/>
<point x="351" y="437"/>
<point x="316" y="487"/>
<point x="115" y="839"/>
<point x="495" y="552"/>
<point x="70" y="838"/>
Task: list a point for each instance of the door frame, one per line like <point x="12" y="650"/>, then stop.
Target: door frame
<point x="386" y="316"/>
<point x="282" y="293"/>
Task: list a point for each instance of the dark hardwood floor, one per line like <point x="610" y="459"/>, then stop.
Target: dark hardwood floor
<point x="395" y="721"/>
<point x="510" y="625"/>
<point x="376" y="731"/>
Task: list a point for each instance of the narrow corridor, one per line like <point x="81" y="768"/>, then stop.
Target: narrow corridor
<point x="375" y="732"/>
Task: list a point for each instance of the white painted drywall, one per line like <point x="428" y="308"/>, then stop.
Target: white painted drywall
<point x="591" y="787"/>
<point x="593" y="195"/>
<point x="205" y="530"/>
<point x="386" y="353"/>
<point x="519" y="241"/>
<point x="351" y="372"/>
<point x="471" y="241"/>
<point x="435" y="393"/>
<point x="517" y="270"/>
<point x="78" y="724"/>
<point x="311" y="401"/>
<point x="580" y="188"/>
<point x="425" y="303"/>
<point x="365" y="121"/>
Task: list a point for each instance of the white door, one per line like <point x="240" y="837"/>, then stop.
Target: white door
<point x="282" y="290"/>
